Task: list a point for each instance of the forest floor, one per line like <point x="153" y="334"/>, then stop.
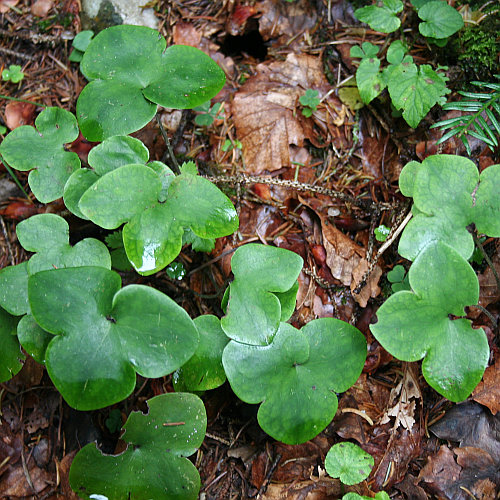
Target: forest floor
<point x="326" y="182"/>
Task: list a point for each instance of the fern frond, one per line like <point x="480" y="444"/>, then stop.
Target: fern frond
<point x="481" y="118"/>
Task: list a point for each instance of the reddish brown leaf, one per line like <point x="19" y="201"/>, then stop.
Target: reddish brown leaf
<point x="5" y="5"/>
<point x="266" y="115"/>
<point x="41" y="7"/>
<point x="488" y="391"/>
<point x="19" y="113"/>
<point x="186" y="34"/>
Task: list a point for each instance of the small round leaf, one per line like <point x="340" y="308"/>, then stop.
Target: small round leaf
<point x="348" y="462"/>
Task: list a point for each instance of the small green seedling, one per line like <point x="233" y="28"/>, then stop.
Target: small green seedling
<point x="114" y="421"/>
<point x="349" y="463"/>
<point x="175" y="271"/>
<point x="3" y="129"/>
<point x="449" y="195"/>
<point x="428" y="322"/>
<point x="40" y="150"/>
<point x="413" y="89"/>
<point x="229" y="145"/>
<point x="381" y="232"/>
<point x="296" y="376"/>
<point x="204" y="371"/>
<point x="80" y="44"/>
<point x="119" y="260"/>
<point x="154" y="463"/>
<point x="13" y="74"/>
<point x="207" y="115"/>
<point x="398" y="277"/>
<point x="381" y="495"/>
<point x="439" y="20"/>
<point x="262" y="294"/>
<point x="310" y="101"/>
<point x="131" y="71"/>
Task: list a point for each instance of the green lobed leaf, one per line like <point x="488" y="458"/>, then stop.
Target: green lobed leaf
<point x="82" y="40"/>
<point x="254" y="312"/>
<point x="420" y="324"/>
<point x="33" y="338"/>
<point x="41" y="151"/>
<point x="440" y="20"/>
<point x="369" y="79"/>
<point x="396" y="52"/>
<point x="381" y="495"/>
<point x="12" y="357"/>
<point x="297" y="375"/>
<point x="204" y="371"/>
<point x="116" y="332"/>
<point x="154" y="463"/>
<point x="14" y="289"/>
<point x="153" y="238"/>
<point x="449" y="195"/>
<point x="131" y="72"/>
<point x="348" y="462"/>
<point x="415" y="90"/>
<point x="383" y="18"/>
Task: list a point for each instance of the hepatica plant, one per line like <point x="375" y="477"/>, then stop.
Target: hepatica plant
<point x="451" y="200"/>
<point x="131" y="71"/>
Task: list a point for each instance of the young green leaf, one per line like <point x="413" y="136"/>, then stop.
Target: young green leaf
<point x="115" y="332"/>
<point x="153" y="465"/>
<point x="415" y="90"/>
<point x="348" y="462"/>
<point x="41" y="150"/>
<point x="255" y="311"/>
<point x="381" y="495"/>
<point x="12" y="357"/>
<point x="12" y="74"/>
<point x="449" y="195"/>
<point x="131" y="71"/>
<point x="382" y="18"/>
<point x="310" y="101"/>
<point x="33" y="338"/>
<point x="423" y="324"/>
<point x="297" y="375"/>
<point x="14" y="289"/>
<point x="440" y="20"/>
<point x="204" y="371"/>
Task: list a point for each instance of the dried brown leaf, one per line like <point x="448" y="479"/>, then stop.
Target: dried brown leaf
<point x="19" y="113"/>
<point x="5" y="5"/>
<point x="266" y="115"/>
<point x="487" y="392"/>
<point x="41" y="7"/>
<point x="371" y="289"/>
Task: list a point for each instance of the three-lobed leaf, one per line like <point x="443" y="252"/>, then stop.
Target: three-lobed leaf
<point x="297" y="375"/>
<point x="427" y="322"/>
<point x="154" y="463"/>
<point x="115" y="332"/>
<point x="449" y="195"/>
<point x="131" y="71"/>
<point x="255" y="310"/>
<point x="40" y="150"/>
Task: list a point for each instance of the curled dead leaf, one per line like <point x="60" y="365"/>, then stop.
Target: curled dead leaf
<point x="487" y="392"/>
<point x="19" y="113"/>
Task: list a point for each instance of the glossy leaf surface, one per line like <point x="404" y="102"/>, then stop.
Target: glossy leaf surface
<point x="427" y="322"/>
<point x="131" y="71"/>
<point x="449" y="194"/>
<point x="154" y="463"/>
<point x="204" y="371"/>
<point x="117" y="333"/>
<point x="11" y="357"/>
<point x="40" y="150"/>
<point x="254" y="311"/>
<point x="297" y="375"/>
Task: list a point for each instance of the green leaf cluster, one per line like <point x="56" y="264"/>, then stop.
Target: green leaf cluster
<point x="293" y="373"/>
<point x="413" y="89"/>
<point x="12" y="74"/>
<point x="439" y="20"/>
<point x="427" y="322"/>
<point x="310" y="101"/>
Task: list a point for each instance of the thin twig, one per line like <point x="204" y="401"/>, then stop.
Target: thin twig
<point x="23" y="100"/>
<point x="175" y="164"/>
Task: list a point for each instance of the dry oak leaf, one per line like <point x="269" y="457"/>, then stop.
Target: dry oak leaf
<point x="266" y="110"/>
<point x="347" y="263"/>
<point x="487" y="392"/>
